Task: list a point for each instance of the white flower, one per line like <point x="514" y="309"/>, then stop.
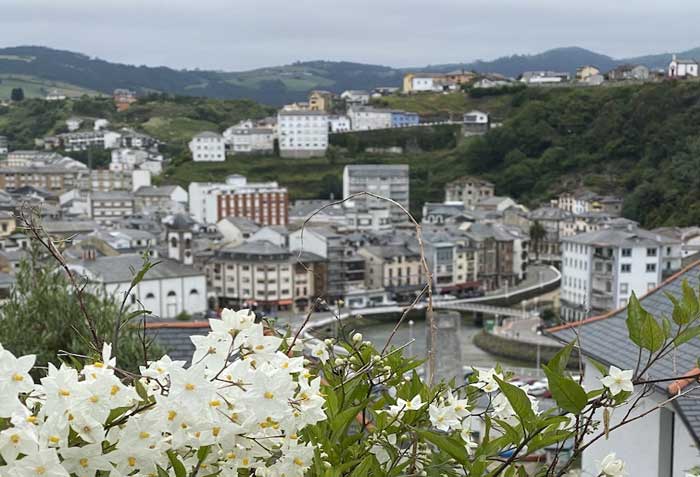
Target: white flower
<point x="320" y="351"/>
<point x="443" y="418"/>
<point x="85" y="461"/>
<point x="617" y="380"/>
<point x="44" y="463"/>
<point x="487" y="381"/>
<point x="469" y="441"/>
<point x="611" y="466"/>
<point x="401" y="406"/>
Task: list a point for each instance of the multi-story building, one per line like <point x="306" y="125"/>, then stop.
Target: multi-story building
<point x="549" y="226"/>
<point x="629" y="73"/>
<point x="339" y="123"/>
<point x="361" y="218"/>
<point x="253" y="274"/>
<point x="601" y="269"/>
<point x="83" y="140"/>
<point x="4" y="145"/>
<point x="249" y="139"/>
<point x="105" y="180"/>
<point x="30" y="158"/>
<point x="389" y="181"/>
<point x="355" y="97"/>
<point x="453" y="260"/>
<point x="503" y="254"/>
<point x="366" y="118"/>
<point x="403" y="119"/>
<point x="396" y="268"/>
<point x="166" y="199"/>
<point x="52" y="178"/>
<point x="125" y="159"/>
<point x="208" y="146"/>
<point x="106" y="208"/>
<point x="302" y="133"/>
<point x="475" y="122"/>
<point x="320" y="100"/>
<point x="588" y="201"/>
<point x="263" y="202"/>
<point x="432" y="82"/>
<point x="468" y="190"/>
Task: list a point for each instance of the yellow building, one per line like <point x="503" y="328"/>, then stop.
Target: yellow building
<point x="7" y="223"/>
<point x="320" y="100"/>
<point x="585" y="72"/>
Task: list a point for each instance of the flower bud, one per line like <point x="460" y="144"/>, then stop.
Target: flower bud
<point x="328" y="341"/>
<point x="326" y="464"/>
<point x="357" y="337"/>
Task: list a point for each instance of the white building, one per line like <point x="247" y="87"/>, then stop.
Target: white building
<point x="208" y="146"/>
<point x="339" y="123"/>
<point x="246" y="138"/>
<point x="100" y="124"/>
<point x="601" y="269"/>
<point x="424" y="82"/>
<point x="682" y="68"/>
<point x="366" y="118"/>
<point x="389" y="181"/>
<point x="169" y="289"/>
<point x="168" y="199"/>
<point x="108" y="207"/>
<point x="74" y="123"/>
<point x="302" y="133"/>
<point x="355" y="97"/>
<point x="544" y="77"/>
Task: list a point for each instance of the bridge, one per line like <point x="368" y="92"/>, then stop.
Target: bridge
<point x="500" y="311"/>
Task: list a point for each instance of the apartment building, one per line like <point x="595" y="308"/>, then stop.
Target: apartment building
<point x="396" y="268"/>
<point x="208" y="146"/>
<point x="52" y="178"/>
<point x="165" y="199"/>
<point x="453" y="260"/>
<point x="390" y="181"/>
<point x="469" y="191"/>
<point x="587" y="201"/>
<point x="249" y="139"/>
<point x="366" y="118"/>
<point x="320" y="100"/>
<point x="263" y="202"/>
<point x="601" y="269"/>
<point x="302" y="133"/>
<point x="106" y="208"/>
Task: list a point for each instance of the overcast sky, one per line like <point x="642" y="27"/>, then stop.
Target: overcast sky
<point x="243" y="34"/>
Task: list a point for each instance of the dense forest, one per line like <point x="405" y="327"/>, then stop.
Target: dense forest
<point x="639" y="142"/>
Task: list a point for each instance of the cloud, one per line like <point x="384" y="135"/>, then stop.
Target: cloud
<point x="236" y="35"/>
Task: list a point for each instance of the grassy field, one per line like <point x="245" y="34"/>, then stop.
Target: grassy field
<point x="449" y="103"/>
<point x="176" y="129"/>
<point x="38" y="88"/>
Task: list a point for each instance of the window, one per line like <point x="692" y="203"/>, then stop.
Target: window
<point x="194" y="292"/>
<point x="626" y="252"/>
<point x="626" y="268"/>
<point x="624" y="288"/>
<point x="173" y="242"/>
<point x="651" y="286"/>
<point x="171" y="293"/>
<point x="651" y="267"/>
<point x="150" y="296"/>
<point x="651" y="252"/>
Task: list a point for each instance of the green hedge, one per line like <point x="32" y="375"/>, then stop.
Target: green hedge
<point x="423" y="138"/>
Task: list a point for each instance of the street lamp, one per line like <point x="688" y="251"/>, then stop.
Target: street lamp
<point x="410" y="337"/>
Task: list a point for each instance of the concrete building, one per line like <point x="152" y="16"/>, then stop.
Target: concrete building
<point x="453" y="260"/>
<point x="629" y="73"/>
<point x="4" y="145"/>
<point x="208" y="146"/>
<point x="544" y="77"/>
<point x="588" y="201"/>
<point x="247" y="138"/>
<point x="73" y="123"/>
<point x="320" y="100"/>
<point x="108" y="207"/>
<point x="236" y="230"/>
<point x="167" y="290"/>
<point x="263" y="202"/>
<point x="601" y="269"/>
<point x="556" y="224"/>
<point x="397" y="269"/>
<point x="302" y="133"/>
<point x="164" y="199"/>
<point x="468" y="191"/>
<point x="389" y="181"/>
<point x="367" y="118"/>
<point x="355" y="97"/>
<point x="56" y="179"/>
<point x="338" y="124"/>
<point x="475" y="122"/>
<point x="585" y="72"/>
<point x="402" y="119"/>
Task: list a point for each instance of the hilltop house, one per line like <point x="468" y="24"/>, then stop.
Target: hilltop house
<point x="355" y="97"/>
<point x="663" y="443"/>
<point x="584" y="72"/>
<point x="544" y="77"/>
<point x="629" y="73"/>
<point x="208" y="146"/>
<point x="679" y="68"/>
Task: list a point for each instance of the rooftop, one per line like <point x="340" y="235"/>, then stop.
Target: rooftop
<point x="118" y="269"/>
<point x="617" y="237"/>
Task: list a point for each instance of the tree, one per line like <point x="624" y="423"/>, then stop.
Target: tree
<point x="17" y="94"/>
<point x="43" y="317"/>
<point x="537" y="234"/>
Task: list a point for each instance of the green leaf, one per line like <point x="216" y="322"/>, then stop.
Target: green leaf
<point x="140" y="390"/>
<point x="651" y="334"/>
<point x="634" y="320"/>
<point x="687" y="335"/>
<point x="519" y="401"/>
<point x="455" y="449"/>
<point x="161" y="472"/>
<point x="548" y="439"/>
<point x="178" y="466"/>
<point x="667" y="327"/>
<point x="567" y="393"/>
<point x="560" y="360"/>
<point x="203" y="452"/>
<point x="509" y="431"/>
<point x="602" y="369"/>
<point x="680" y="315"/>
<point x="690" y="300"/>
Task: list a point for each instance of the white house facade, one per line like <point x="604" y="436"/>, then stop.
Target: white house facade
<point x="302" y="133"/>
<point x="208" y="147"/>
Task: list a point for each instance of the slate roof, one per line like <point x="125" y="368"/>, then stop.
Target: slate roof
<point x="618" y="237"/>
<point x="117" y="269"/>
<point x="604" y="338"/>
<point x="156" y="191"/>
<point x="174" y="337"/>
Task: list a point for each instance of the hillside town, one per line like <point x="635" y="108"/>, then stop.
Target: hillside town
<point x="529" y="273"/>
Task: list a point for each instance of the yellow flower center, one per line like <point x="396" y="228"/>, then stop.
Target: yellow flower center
<point x="298" y="461"/>
<point x="94" y="399"/>
<point x="132" y="461"/>
<point x="114" y="390"/>
<point x="17" y="377"/>
<point x="40" y="470"/>
<point x="63" y="392"/>
<point x="98" y="364"/>
<point x="215" y="403"/>
<point x="268" y="395"/>
<point x="230" y="456"/>
<point x="171" y="415"/>
<point x="32" y="419"/>
<point x="259" y="347"/>
<point x="215" y="431"/>
<point x="144" y="435"/>
<point x="285" y="365"/>
<point x="54" y="439"/>
<point x="83" y="462"/>
<point x="14" y="438"/>
<point x="245" y="461"/>
<point x="189" y="386"/>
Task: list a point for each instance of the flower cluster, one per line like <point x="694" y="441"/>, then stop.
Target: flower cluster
<point x="241" y="404"/>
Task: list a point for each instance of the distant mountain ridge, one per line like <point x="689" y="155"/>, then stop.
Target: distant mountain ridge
<point x="280" y="84"/>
